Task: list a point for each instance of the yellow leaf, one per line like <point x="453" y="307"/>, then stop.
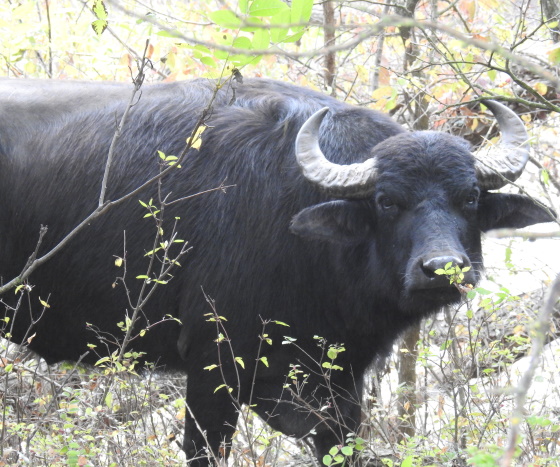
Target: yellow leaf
<point x="181" y="414"/>
<point x="99" y="26"/>
<point x="99" y="9"/>
<point x="363" y="73"/>
<point x="118" y="262"/>
<point x="196" y="139"/>
<point x="554" y="56"/>
<point x="30" y="68"/>
<point x="382" y="92"/>
<point x="45" y="304"/>
<point x="541" y="88"/>
<point x="468" y="7"/>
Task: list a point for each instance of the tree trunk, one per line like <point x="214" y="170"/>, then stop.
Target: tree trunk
<point x="409" y="349"/>
<point x="329" y="27"/>
<point x="406" y="401"/>
<point x="551" y="12"/>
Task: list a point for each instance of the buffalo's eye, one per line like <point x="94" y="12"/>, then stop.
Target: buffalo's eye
<point x="386" y="203"/>
<point x="472" y="199"/>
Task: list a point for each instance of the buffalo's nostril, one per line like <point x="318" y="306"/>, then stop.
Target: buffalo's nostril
<point x="430" y="266"/>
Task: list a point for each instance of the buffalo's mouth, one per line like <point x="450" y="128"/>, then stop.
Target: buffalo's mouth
<point x="434" y="281"/>
<point x="431" y="299"/>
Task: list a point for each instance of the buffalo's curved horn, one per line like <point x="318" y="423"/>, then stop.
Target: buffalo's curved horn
<point x="504" y="162"/>
<point x="344" y="181"/>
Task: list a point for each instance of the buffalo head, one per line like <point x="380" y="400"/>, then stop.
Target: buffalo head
<point x="420" y="202"/>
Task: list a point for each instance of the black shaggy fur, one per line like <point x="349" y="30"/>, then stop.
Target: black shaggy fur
<point x="273" y="248"/>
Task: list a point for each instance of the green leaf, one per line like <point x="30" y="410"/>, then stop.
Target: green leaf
<point x="267" y="7"/>
<point x="172" y="34"/>
<point x="243" y="6"/>
<point x="295" y="37"/>
<point x="508" y="255"/>
<point x="327" y="460"/>
<point x="264" y="360"/>
<point x="201" y="49"/>
<point x="226" y="19"/>
<point x="301" y="11"/>
<point x="545" y="176"/>
<point x="242" y="43"/>
<point x="252" y="20"/>
<point x="208" y="61"/>
<point x="278" y="34"/>
<point x="360" y="444"/>
<point x="239" y="360"/>
<point x="210" y="367"/>
<point x="281" y="323"/>
<point x="101" y="361"/>
<point x="408" y="461"/>
<point x="242" y="60"/>
<point x="220" y="338"/>
<point x="99" y="26"/>
<point x="261" y="39"/>
<point x="99" y="9"/>
<point x="347" y="451"/>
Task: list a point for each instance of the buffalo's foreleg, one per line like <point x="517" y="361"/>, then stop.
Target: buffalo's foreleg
<point x="210" y="424"/>
<point x="344" y="420"/>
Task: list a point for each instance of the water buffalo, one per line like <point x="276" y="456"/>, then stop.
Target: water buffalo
<point x="336" y="225"/>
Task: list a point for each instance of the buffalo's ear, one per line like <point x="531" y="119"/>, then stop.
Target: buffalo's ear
<point x="501" y="210"/>
<point x="334" y="221"/>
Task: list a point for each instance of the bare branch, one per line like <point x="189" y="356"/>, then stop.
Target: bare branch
<point x="541" y="328"/>
<point x="137" y="81"/>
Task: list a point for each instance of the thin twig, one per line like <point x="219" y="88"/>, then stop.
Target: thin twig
<point x="506" y="233"/>
<point x="138" y="81"/>
<point x="388" y="21"/>
<point x="541" y="329"/>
